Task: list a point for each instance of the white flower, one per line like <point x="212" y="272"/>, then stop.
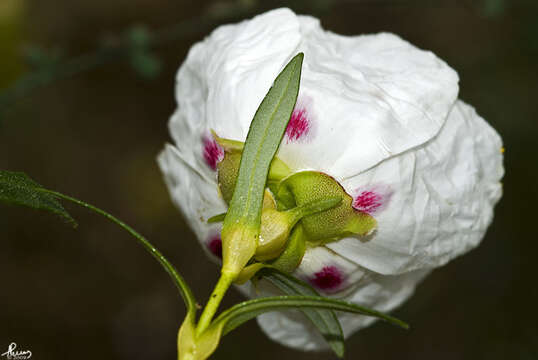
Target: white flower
<point x="374" y="112"/>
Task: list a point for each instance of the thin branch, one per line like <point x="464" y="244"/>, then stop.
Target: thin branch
<point x="176" y="277"/>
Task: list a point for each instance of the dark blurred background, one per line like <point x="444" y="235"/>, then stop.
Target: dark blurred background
<point x="87" y="89"/>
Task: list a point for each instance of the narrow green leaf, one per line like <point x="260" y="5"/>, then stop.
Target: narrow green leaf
<point x="247" y="310"/>
<point x="264" y="137"/>
<point x="324" y="320"/>
<point x="18" y="189"/>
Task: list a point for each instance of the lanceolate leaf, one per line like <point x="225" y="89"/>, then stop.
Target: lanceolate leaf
<point x="18" y="189"/>
<point x="325" y="320"/>
<point x="263" y="139"/>
<point x="242" y="312"/>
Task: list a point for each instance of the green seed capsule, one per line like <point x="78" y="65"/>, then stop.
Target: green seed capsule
<point x="333" y="224"/>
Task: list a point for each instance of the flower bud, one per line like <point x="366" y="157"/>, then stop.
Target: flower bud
<point x="308" y="186"/>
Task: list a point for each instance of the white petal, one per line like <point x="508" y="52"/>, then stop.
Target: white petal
<point x="373" y="97"/>
<point x="192" y="193"/>
<point x="224" y="78"/>
<point x="329" y="273"/>
<point x="381" y="292"/>
<point x="442" y="200"/>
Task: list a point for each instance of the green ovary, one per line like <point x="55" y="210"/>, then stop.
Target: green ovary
<point x="333" y="224"/>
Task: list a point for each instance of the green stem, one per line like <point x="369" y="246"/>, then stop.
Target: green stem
<point x="178" y="280"/>
<point x="213" y="303"/>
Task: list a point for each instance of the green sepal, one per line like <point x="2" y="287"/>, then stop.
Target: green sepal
<point x="186" y="343"/>
<point x="284" y="197"/>
<point x="278" y="169"/>
<point x="341" y="221"/>
<point x="216" y="218"/>
<point x="227" y="170"/>
<point x="268" y="202"/>
<point x="274" y="232"/>
<point x="275" y="240"/>
<point x="276" y="225"/>
<point x="228" y="167"/>
<point x="228" y="145"/>
<point x="293" y="254"/>
<point x="248" y="272"/>
<point x="192" y="347"/>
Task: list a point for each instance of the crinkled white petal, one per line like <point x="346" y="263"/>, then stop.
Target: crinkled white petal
<point x="196" y="196"/>
<point x="381" y="292"/>
<point x="224" y="78"/>
<point x="374" y="96"/>
<point x="330" y="273"/>
<point x="442" y="200"/>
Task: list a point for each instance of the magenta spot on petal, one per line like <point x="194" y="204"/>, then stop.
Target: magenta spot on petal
<point x="215" y="246"/>
<point x="213" y="153"/>
<point x="299" y="125"/>
<point x="368" y="201"/>
<point x="372" y="199"/>
<point x="328" y="278"/>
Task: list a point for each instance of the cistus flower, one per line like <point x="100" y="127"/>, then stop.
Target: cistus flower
<point x="377" y="118"/>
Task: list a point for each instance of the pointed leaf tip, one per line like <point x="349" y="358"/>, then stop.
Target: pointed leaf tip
<point x="241" y="226"/>
<point x="242" y="312"/>
<point x="16" y="188"/>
